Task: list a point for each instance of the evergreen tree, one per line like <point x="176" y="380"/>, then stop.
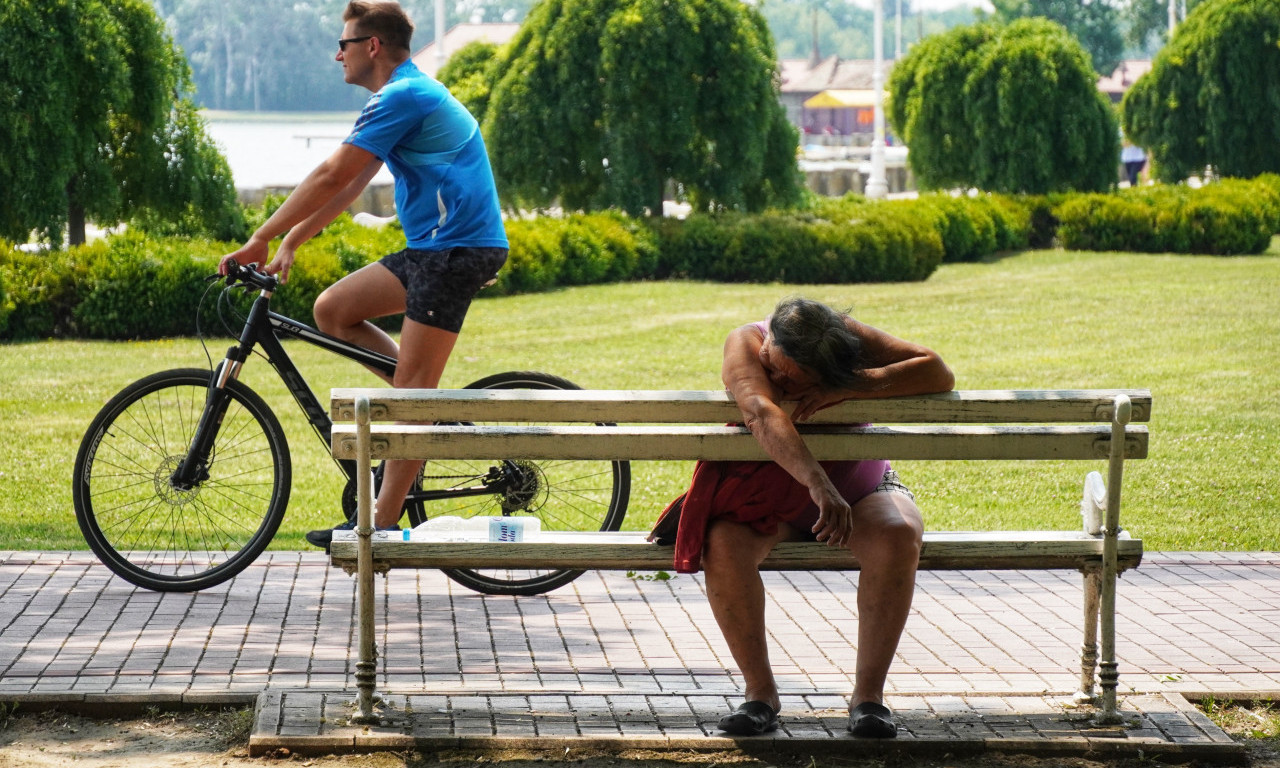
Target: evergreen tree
<point x="1095" y="23"/>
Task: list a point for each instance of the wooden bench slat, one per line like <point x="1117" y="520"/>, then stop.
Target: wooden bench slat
<point x="397" y="441"/>
<point x="942" y="550"/>
<point x="660" y="406"/>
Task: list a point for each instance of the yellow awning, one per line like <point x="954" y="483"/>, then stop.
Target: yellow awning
<point x="837" y="98"/>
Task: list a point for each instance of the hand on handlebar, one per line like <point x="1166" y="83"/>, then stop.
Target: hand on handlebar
<point x="254" y="255"/>
<point x="252" y="252"/>
<point x="281" y="263"/>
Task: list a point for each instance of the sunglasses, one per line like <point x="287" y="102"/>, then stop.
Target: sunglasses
<point x="342" y="44"/>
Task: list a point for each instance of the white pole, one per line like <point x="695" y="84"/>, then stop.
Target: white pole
<point x="877" y="186"/>
<point x="897" y="33"/>
<point x="1173" y="16"/>
<point x="439" y="35"/>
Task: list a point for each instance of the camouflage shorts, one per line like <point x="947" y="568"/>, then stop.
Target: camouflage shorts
<point x="439" y="285"/>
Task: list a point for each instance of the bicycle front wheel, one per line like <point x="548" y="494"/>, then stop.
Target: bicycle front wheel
<point x="563" y="495"/>
<point x="167" y="538"/>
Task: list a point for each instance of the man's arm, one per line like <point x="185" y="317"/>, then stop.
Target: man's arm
<point x="304" y="230"/>
<point x="311" y="226"/>
<point x="332" y="180"/>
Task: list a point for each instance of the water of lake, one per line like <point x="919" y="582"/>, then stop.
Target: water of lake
<point x="279" y="150"/>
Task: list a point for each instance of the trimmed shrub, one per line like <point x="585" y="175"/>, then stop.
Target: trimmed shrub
<point x="42" y="290"/>
<point x="535" y="258"/>
<point x="843" y="241"/>
<point x="1106" y="223"/>
<point x="139" y="288"/>
<point x="1270" y="184"/>
<point x="1228" y="217"/>
<point x="968" y="232"/>
<point x="6" y="306"/>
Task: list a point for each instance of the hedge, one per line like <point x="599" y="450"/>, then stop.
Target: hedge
<point x="1227" y="217"/>
<point x="851" y="242"/>
<point x="135" y="286"/>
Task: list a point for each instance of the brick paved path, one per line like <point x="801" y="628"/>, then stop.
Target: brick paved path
<point x="1199" y="622"/>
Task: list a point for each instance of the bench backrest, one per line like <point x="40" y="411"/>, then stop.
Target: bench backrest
<point x="660" y="425"/>
<point x="717" y="407"/>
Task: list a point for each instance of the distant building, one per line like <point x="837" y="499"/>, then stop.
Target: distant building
<point x="832" y="97"/>
<point x="458" y="36"/>
<point x="1125" y="76"/>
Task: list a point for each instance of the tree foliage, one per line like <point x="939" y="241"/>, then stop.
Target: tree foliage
<point x="469" y="75"/>
<point x="1095" y="23"/>
<point x="603" y="102"/>
<point x="1004" y="108"/>
<point x="279" y="54"/>
<point x="1212" y="97"/>
<point x="99" y="125"/>
<point x="1147" y="21"/>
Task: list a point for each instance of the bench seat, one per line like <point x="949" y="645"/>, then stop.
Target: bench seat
<point x="942" y="550"/>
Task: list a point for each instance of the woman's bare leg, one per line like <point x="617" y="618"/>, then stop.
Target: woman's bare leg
<point x="886" y="540"/>
<point x="731" y="562"/>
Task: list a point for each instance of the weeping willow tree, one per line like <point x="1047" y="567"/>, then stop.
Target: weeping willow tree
<point x="1004" y="108"/>
<point x="1212" y="97"/>
<point x="605" y="103"/>
<point x="97" y="123"/>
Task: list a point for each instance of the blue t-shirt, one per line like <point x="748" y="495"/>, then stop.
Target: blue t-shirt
<point x="445" y="196"/>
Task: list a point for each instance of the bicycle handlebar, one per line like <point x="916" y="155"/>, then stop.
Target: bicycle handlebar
<point x="250" y="275"/>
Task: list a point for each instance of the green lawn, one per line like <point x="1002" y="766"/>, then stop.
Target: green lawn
<point x="1202" y="333"/>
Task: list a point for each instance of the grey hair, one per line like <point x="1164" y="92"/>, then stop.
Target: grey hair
<point x="817" y="338"/>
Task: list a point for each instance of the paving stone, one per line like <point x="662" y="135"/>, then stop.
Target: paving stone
<point x="991" y="652"/>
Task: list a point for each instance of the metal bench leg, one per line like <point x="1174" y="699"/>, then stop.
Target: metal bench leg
<point x="1089" y="648"/>
<point x="1109" y="675"/>
<point x="367" y="666"/>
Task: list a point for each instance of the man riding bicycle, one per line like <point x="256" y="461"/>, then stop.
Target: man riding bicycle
<point x="446" y="201"/>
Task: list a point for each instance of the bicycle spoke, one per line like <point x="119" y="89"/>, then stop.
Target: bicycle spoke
<point x="163" y="535"/>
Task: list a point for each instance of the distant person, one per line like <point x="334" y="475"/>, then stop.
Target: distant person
<point x="735" y="512"/>
<point x="1134" y="159"/>
<point x="446" y="202"/>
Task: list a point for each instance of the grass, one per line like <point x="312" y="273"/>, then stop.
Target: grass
<point x="1202" y="333"/>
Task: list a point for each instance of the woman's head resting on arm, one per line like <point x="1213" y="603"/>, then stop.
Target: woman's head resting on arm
<point x="816" y="344"/>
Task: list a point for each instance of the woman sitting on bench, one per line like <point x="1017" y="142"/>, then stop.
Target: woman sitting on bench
<point x="735" y="512"/>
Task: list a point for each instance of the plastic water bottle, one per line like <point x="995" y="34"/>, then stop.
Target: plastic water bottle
<point x="454" y="528"/>
<point x="1094" y="503"/>
<point x="514" y="528"/>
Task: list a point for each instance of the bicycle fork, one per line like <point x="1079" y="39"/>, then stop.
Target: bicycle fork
<point x="194" y="467"/>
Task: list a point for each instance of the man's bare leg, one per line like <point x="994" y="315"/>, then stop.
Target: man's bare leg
<point x="343" y="310"/>
<point x="424" y="350"/>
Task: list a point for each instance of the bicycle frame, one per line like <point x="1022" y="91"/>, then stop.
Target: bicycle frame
<point x="265" y="328"/>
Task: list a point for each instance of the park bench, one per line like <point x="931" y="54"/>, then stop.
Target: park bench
<point x="1055" y="425"/>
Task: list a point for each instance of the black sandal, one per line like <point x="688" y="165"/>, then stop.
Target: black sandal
<point x="750" y="719"/>
<point x="870" y="720"/>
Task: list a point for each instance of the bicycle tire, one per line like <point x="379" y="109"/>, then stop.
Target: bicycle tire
<point x="570" y="495"/>
<point x="167" y="539"/>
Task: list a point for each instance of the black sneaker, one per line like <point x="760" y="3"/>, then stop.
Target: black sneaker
<point x="324" y="537"/>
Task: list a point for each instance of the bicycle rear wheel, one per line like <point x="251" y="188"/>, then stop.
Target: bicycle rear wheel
<point x="563" y="495"/>
<point x="170" y="539"/>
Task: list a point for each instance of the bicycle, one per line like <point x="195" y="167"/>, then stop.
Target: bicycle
<point x="183" y="478"/>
